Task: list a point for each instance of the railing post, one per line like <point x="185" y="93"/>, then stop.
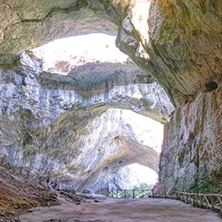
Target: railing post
<point x="117" y="192"/>
<point x="201" y="198"/>
<point x="212" y="200"/>
<point x="133" y="193"/>
<point x="187" y="199"/>
<point x="142" y="193"/>
<point x="2" y="160"/>
<point x="20" y="169"/>
<point x="193" y="199"/>
<point x="124" y="193"/>
<point x="153" y="192"/>
<point x="220" y="205"/>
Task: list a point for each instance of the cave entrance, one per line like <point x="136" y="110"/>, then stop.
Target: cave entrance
<point x="125" y="149"/>
<point x="134" y="176"/>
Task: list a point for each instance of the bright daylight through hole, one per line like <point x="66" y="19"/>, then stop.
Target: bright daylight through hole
<point x="61" y="55"/>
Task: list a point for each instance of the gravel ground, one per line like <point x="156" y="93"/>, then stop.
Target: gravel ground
<point x="119" y="210"/>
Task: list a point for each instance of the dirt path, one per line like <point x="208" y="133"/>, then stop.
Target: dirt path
<point x="119" y="210"/>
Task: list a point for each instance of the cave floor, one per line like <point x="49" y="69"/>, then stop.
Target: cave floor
<point x="118" y="210"/>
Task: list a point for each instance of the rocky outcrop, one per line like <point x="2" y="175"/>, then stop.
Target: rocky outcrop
<point x="182" y="49"/>
<point x="191" y="157"/>
<point x="47" y="96"/>
<point x="51" y="20"/>
<point x="90" y="156"/>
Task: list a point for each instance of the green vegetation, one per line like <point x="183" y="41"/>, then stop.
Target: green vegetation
<point x="146" y="103"/>
<point x="129" y="126"/>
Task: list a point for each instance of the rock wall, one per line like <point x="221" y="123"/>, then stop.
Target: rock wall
<point x="49" y="21"/>
<point x="180" y="47"/>
<point x="177" y="42"/>
<point x="191" y="157"/>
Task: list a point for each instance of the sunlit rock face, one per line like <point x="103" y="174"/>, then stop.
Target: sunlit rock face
<point x="81" y="153"/>
<point x="64" y="128"/>
<point x="191" y="157"/>
<point x="84" y="154"/>
<point x="180" y="45"/>
<point x="26" y="86"/>
<point x="182" y="50"/>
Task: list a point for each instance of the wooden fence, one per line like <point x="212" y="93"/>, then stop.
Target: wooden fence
<point x="118" y="193"/>
<point x="208" y="201"/>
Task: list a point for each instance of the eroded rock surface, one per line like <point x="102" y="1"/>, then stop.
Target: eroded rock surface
<point x="51" y="20"/>
<point x="181" y="47"/>
<point x="191" y="157"/>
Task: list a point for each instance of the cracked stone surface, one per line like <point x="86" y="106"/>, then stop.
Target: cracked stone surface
<point x="191" y="157"/>
<point x="183" y="47"/>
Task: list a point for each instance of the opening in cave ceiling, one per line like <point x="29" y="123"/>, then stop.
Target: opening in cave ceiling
<point x="62" y="55"/>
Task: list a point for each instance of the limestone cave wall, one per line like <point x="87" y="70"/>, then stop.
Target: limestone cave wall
<point x="177" y="42"/>
<point x="191" y="157"/>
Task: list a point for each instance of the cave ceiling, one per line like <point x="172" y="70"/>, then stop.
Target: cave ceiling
<point x="180" y="47"/>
